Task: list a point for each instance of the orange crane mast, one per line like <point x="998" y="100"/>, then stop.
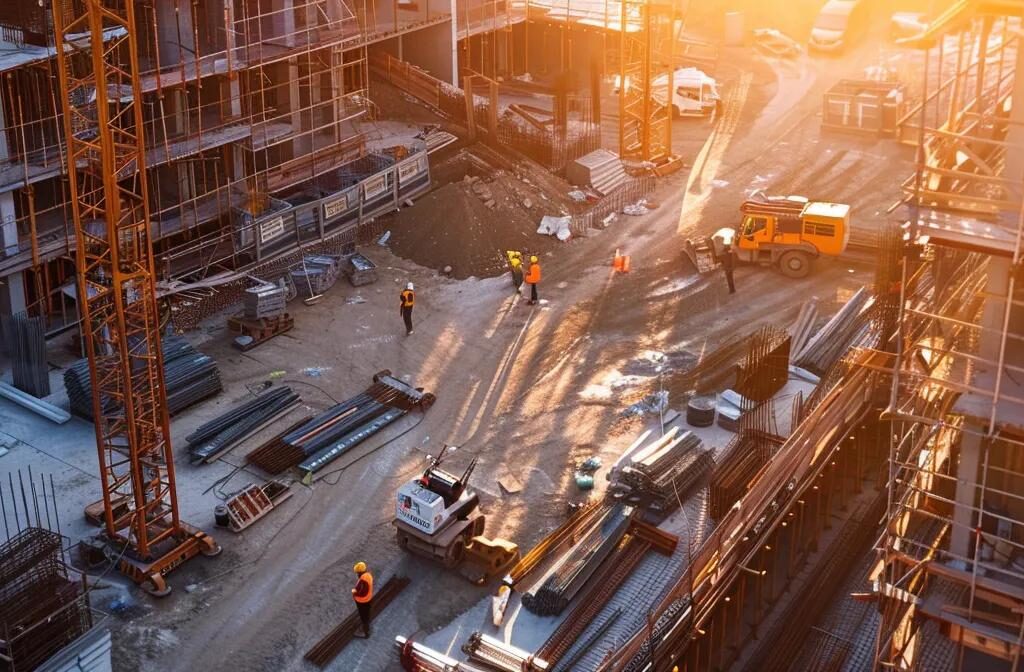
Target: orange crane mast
<point x="97" y="61"/>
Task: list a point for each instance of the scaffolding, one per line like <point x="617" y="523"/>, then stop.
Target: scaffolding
<point x="239" y="100"/>
<point x="952" y="555"/>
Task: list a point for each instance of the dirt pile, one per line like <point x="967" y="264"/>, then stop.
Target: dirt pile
<point x="468" y="224"/>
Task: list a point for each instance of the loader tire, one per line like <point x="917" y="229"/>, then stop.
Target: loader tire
<point x="795" y="264"/>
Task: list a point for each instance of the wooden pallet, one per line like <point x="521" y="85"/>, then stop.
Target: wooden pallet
<point x="260" y="330"/>
<point x="254" y="502"/>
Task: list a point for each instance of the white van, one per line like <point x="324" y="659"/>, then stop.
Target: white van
<point x="695" y="94"/>
<point x="839" y="24"/>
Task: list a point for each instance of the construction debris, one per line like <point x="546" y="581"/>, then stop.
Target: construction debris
<point x="227" y="430"/>
<point x="189" y="377"/>
<point x="329" y="435"/>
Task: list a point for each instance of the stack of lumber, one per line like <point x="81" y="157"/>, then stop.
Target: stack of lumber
<point x="661" y="473"/>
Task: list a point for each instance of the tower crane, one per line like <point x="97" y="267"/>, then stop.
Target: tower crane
<point x="98" y="65"/>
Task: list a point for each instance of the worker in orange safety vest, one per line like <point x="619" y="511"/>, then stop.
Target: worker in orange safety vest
<point x="532" y="278"/>
<point x="363" y="595"/>
<point x="407" y="299"/>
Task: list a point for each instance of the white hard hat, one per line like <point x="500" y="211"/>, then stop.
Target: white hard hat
<point x="409" y="286"/>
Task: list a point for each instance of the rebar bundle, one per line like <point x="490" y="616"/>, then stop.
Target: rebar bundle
<point x="328" y="648"/>
<point x="765" y="369"/>
<point x="599" y="591"/>
<point x="500" y="656"/>
<point x="571" y="571"/>
<point x="25" y="342"/>
<point x="189" y="377"/>
<point x="742" y="460"/>
<point x="230" y="428"/>
<point x="41" y="609"/>
<point x="327" y="436"/>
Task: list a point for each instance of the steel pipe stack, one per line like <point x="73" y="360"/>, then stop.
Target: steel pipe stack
<point x="324" y="438"/>
<point x="189" y="377"/>
<point x="570" y="572"/>
<point x="501" y="656"/>
<point x="418" y="658"/>
<point x="230" y="428"/>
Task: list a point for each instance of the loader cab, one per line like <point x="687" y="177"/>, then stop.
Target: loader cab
<point x="754" y="230"/>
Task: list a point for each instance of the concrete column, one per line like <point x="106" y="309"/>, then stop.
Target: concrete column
<point x="284" y="23"/>
<point x="453" y="47"/>
<point x="234" y="90"/>
<point x="294" y="95"/>
<point x="968" y="474"/>
<point x="176" y="39"/>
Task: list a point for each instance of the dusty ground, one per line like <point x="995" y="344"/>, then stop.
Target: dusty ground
<point x="525" y="389"/>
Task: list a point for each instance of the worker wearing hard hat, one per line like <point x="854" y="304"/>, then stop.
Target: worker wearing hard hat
<point x="407" y="299"/>
<point x="532" y="278"/>
<point x="363" y="594"/>
<point x="728" y="264"/>
<point x="517" y="273"/>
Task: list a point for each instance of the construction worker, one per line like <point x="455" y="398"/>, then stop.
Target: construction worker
<point x="517" y="274"/>
<point x="407" y="299"/>
<point x="728" y="262"/>
<point x="363" y="595"/>
<point x="532" y="278"/>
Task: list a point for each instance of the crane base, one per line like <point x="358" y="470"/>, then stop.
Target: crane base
<point x="150" y="574"/>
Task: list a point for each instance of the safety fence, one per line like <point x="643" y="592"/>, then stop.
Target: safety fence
<point x="629" y="193"/>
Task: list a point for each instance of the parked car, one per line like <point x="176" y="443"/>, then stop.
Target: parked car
<point x="695" y="94"/>
<point x="838" y="25"/>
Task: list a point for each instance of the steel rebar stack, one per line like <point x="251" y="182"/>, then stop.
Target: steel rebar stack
<point x="325" y="437"/>
<point x="230" y="428"/>
<point x="571" y="571"/>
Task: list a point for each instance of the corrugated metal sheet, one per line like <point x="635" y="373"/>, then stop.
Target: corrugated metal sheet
<point x="88" y="653"/>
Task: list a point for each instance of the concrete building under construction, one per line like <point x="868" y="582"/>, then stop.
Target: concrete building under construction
<point x="681" y="459"/>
